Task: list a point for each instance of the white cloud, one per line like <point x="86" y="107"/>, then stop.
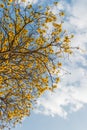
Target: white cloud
<point x="27" y="1"/>
<point x="79" y="13"/>
<point x="32" y="1"/>
<point x="70" y="96"/>
<point x="72" y="92"/>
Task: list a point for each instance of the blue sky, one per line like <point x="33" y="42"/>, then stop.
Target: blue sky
<point x="66" y="108"/>
<point x="75" y="121"/>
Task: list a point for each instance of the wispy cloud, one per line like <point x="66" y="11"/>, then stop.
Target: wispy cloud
<point x="32" y="1"/>
<point x="71" y="94"/>
<point x="27" y="1"/>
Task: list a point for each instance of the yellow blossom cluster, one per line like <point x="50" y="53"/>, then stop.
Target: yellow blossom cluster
<point x="29" y="57"/>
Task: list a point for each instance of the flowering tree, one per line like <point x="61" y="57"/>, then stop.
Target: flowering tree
<point x="32" y="42"/>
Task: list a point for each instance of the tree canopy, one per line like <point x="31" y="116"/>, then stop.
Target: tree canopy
<point x="32" y="43"/>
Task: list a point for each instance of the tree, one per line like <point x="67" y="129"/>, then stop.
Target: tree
<point x="30" y="57"/>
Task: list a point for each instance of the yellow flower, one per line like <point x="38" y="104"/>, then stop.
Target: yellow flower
<point x="66" y="39"/>
<point x="29" y="6"/>
<point x="5" y="41"/>
<point x="45" y="80"/>
<point x="68" y="51"/>
<point x="41" y="31"/>
<point x="11" y="34"/>
<point x="1" y="79"/>
<point x="10" y="25"/>
<point x="10" y="1"/>
<point x="30" y="65"/>
<point x="10" y="115"/>
<point x="21" y="67"/>
<point x="57" y="39"/>
<point x="57" y="79"/>
<point x="72" y="36"/>
<point x="1" y="93"/>
<point x="28" y="96"/>
<point x="56" y="25"/>
<point x="39" y="41"/>
<point x="62" y="14"/>
<point x="59" y="64"/>
<point x="48" y="20"/>
<point x="0" y="113"/>
<point x="54" y="18"/>
<point x="1" y="5"/>
<point x="46" y="13"/>
<point x="54" y="86"/>
<point x="28" y="20"/>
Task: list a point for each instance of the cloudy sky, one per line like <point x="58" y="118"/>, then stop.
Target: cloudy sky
<point x="66" y="107"/>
